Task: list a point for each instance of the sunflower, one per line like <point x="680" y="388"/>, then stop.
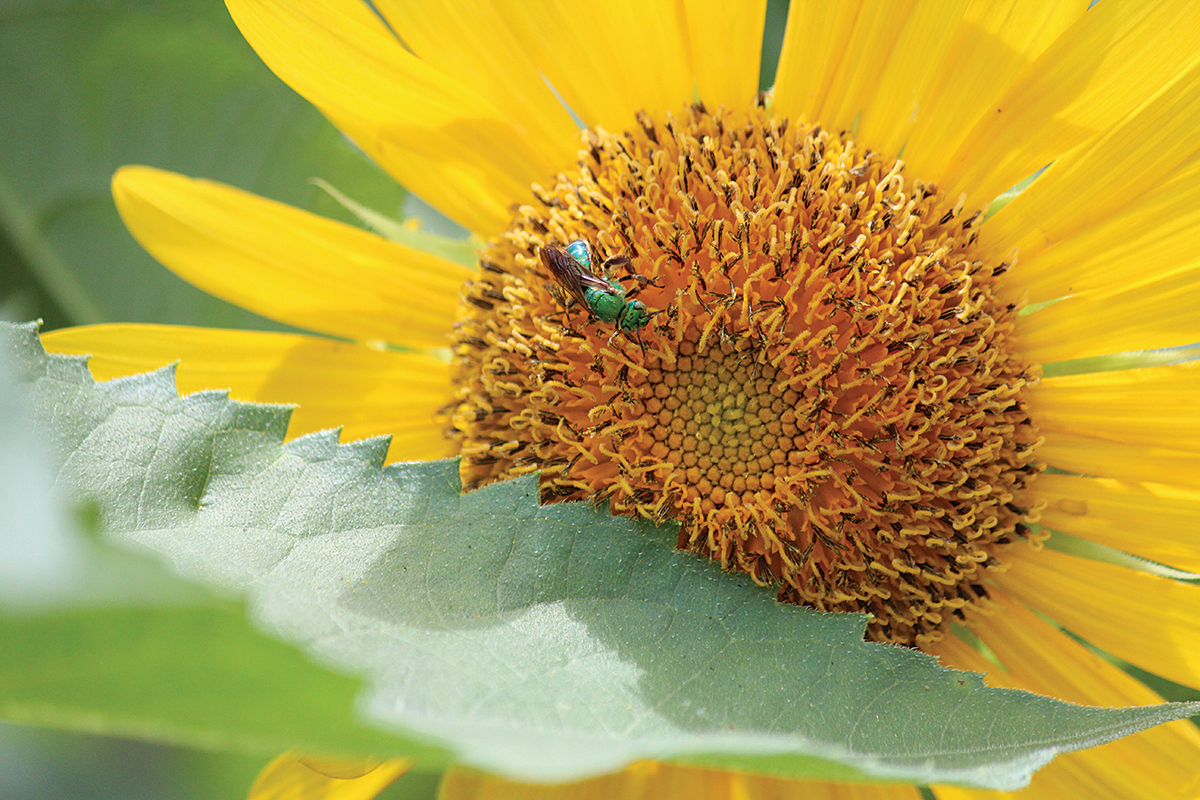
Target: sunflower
<point x="786" y="320"/>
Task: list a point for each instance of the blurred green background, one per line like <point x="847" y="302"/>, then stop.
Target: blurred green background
<point x="88" y="86"/>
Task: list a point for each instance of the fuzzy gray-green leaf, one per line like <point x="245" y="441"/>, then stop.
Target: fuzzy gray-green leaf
<point x="543" y="642"/>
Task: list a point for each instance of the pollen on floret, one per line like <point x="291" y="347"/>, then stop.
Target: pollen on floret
<point x="826" y="398"/>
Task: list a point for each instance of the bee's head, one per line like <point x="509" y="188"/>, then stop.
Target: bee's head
<point x="634" y="317"/>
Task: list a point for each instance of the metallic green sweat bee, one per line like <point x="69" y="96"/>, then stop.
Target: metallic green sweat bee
<point x="574" y="269"/>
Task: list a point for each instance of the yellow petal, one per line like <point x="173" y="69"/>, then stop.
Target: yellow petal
<point x="912" y="78"/>
<point x="895" y="97"/>
<point x="1156" y="406"/>
<point x="440" y="138"/>
<point x="1147" y="620"/>
<point x="1106" y="65"/>
<point x="649" y="780"/>
<point x="1085" y="187"/>
<point x="512" y="58"/>
<point x="953" y="653"/>
<point x="473" y="45"/>
<point x="1152" y="520"/>
<point x="991" y="44"/>
<point x="1067" y="776"/>
<point x="1039" y="658"/>
<point x="287" y="264"/>
<point x="1127" y="461"/>
<point x="724" y="49"/>
<point x="961" y="793"/>
<point x="295" y="777"/>
<point x="1151" y="239"/>
<point x="833" y="56"/>
<point x="367" y="392"/>
<point x="1141" y="317"/>
<point x="607" y="59"/>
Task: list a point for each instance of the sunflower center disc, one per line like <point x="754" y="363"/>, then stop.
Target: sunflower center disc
<point x="825" y="397"/>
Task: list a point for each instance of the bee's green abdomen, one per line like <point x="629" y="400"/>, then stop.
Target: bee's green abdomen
<point x="581" y="251"/>
<point x="604" y="306"/>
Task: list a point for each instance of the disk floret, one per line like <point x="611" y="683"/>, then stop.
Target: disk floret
<point x="826" y="395"/>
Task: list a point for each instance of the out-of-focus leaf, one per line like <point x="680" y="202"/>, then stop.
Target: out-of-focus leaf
<point x="39" y="555"/>
<point x="102" y="639"/>
<point x="90" y="85"/>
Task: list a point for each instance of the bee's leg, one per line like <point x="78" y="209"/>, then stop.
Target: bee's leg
<point x="614" y="263"/>
<point x="564" y="302"/>
<point x="568" y="307"/>
<point x="566" y="313"/>
<point x="636" y="336"/>
<point x="642" y="282"/>
<point x="641" y="344"/>
<point x="589" y="318"/>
